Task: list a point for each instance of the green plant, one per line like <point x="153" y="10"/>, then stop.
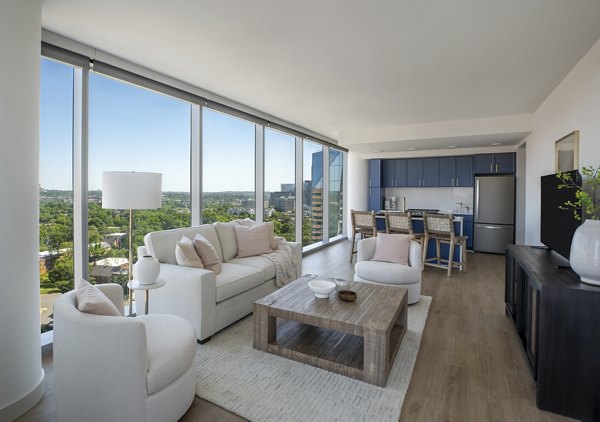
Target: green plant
<point x="587" y="195"/>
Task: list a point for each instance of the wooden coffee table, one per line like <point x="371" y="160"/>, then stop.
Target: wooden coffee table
<point x="358" y="339"/>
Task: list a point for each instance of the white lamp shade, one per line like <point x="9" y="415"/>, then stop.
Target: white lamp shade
<point x="124" y="190"/>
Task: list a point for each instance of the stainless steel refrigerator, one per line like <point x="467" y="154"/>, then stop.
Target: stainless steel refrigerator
<point x="494" y="213"/>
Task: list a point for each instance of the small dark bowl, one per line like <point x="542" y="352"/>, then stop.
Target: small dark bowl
<point x="347" y="295"/>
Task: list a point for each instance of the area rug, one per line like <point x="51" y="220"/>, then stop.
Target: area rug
<point x="263" y="387"/>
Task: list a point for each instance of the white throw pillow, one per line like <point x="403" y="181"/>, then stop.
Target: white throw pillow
<point x="207" y="253"/>
<point x="392" y="248"/>
<point x="249" y="223"/>
<point x="92" y="301"/>
<point x="186" y="255"/>
<point x="253" y="240"/>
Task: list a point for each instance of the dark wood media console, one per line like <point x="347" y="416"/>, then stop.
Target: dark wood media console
<point x="558" y="321"/>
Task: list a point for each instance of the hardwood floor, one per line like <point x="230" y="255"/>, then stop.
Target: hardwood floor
<point x="470" y="367"/>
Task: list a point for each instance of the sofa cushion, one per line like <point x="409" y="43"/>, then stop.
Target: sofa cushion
<point x="171" y="347"/>
<point x="186" y="254"/>
<point x="387" y="272"/>
<point x="249" y="223"/>
<point x="259" y="262"/>
<point x="161" y="244"/>
<point x="227" y="239"/>
<point x="236" y="278"/>
<point x="207" y="253"/>
<point x="252" y="241"/>
<point x="92" y="301"/>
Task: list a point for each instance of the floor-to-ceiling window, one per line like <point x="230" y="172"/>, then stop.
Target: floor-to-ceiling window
<point x="312" y="205"/>
<point x="134" y="129"/>
<point x="336" y="202"/>
<point x="56" y="185"/>
<point x="280" y="185"/>
<point x="228" y="167"/>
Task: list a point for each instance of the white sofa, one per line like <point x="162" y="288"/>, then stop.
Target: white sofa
<point x="210" y="302"/>
<point x="110" y="368"/>
<point x="407" y="276"/>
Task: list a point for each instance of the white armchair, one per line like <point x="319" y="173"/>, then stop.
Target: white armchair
<point x="407" y="276"/>
<point x="111" y="368"/>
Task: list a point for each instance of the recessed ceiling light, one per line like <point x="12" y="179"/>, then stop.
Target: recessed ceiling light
<point x="377" y="150"/>
<point x="413" y="149"/>
<point x="495" y="144"/>
<point x="452" y="146"/>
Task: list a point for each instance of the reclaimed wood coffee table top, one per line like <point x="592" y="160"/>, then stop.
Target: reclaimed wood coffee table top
<point x="376" y="306"/>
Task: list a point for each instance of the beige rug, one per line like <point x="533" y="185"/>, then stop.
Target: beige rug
<point x="263" y="387"/>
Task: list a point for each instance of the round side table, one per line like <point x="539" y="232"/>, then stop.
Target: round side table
<point x="135" y="285"/>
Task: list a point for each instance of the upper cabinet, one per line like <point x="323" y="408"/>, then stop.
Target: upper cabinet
<point x="503" y="163"/>
<point x="422" y="172"/>
<point x="394" y="173"/>
<point x="456" y="171"/>
<point x="375" y="173"/>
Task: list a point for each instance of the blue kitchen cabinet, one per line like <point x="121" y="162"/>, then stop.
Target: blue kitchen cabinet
<point x="400" y="172"/>
<point x="394" y="173"/>
<point x="380" y="221"/>
<point x="502" y="163"/>
<point x="447" y="170"/>
<point x="375" y="199"/>
<point x="414" y="172"/>
<point x="505" y="163"/>
<point x="464" y="171"/>
<point x="430" y="172"/>
<point x="388" y="173"/>
<point x="375" y="173"/>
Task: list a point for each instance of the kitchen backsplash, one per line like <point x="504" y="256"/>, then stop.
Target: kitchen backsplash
<point x="443" y="199"/>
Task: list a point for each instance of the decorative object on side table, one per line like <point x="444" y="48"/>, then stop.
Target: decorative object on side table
<point x="147" y="269"/>
<point x="585" y="246"/>
<point x="130" y="190"/>
<point x="347" y="295"/>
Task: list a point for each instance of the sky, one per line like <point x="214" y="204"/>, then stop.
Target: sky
<point x="131" y="128"/>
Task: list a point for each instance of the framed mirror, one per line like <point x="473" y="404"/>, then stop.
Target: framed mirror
<point x="566" y="152"/>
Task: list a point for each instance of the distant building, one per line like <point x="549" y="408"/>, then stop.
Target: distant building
<point x="115" y="240"/>
<point x="104" y="269"/>
<point x="288" y="187"/>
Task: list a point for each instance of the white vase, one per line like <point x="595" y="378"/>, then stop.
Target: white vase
<point x="147" y="269"/>
<point x="585" y="252"/>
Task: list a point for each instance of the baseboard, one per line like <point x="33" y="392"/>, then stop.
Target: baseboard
<point x="25" y="403"/>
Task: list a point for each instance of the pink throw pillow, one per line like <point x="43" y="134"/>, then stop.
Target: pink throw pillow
<point x="186" y="255"/>
<point x="392" y="248"/>
<point x="253" y="240"/>
<point x="207" y="253"/>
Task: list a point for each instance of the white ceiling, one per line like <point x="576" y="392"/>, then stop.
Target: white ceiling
<point x="340" y="66"/>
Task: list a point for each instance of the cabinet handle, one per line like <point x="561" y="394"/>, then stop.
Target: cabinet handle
<point x="369" y="182"/>
<point x="496" y="168"/>
<point x="423" y="182"/>
<point x="457" y="182"/>
<point x="453" y="182"/>
<point x="491" y="171"/>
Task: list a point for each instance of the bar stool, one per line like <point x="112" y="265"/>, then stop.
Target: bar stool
<point x="401" y="222"/>
<point x="363" y="224"/>
<point x="441" y="228"/>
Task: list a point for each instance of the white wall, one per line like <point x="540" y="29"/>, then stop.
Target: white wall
<point x="573" y="105"/>
<point x="520" y="195"/>
<point x="21" y="373"/>
<point x="358" y="185"/>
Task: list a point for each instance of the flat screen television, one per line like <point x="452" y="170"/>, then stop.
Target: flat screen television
<point x="557" y="225"/>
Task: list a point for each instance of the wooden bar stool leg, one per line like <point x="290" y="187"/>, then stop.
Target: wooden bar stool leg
<point x="450" y="257"/>
<point x="438" y="252"/>
<point x="464" y="256"/>
<point x="424" y="251"/>
<point x="352" y="245"/>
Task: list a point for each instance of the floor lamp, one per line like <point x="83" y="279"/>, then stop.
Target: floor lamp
<point x="130" y="190"/>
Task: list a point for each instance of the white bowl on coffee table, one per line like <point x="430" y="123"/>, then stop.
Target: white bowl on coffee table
<point x="321" y="288"/>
